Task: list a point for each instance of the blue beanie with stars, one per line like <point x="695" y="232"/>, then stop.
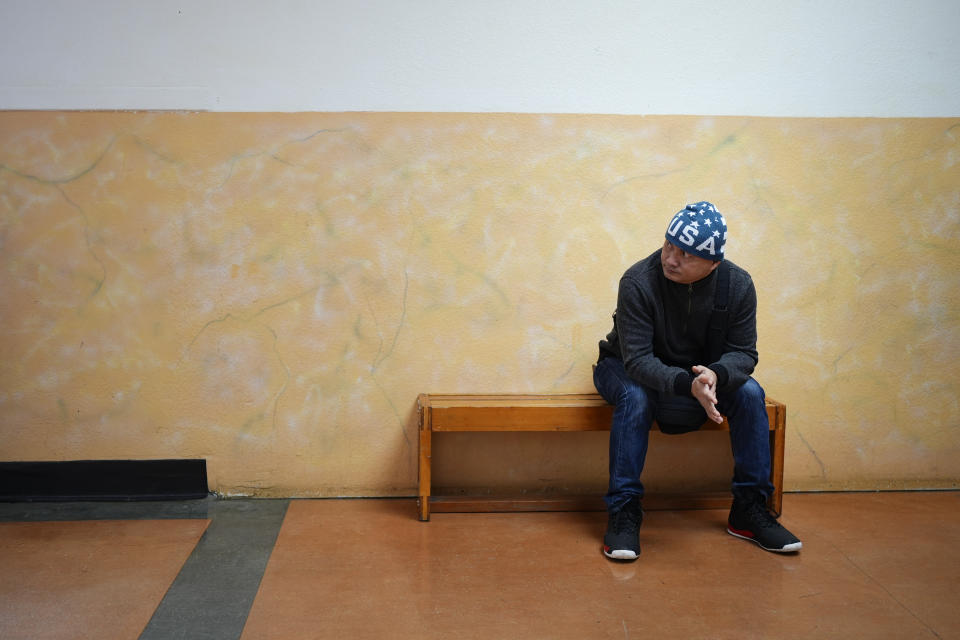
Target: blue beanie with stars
<point x="700" y="230"/>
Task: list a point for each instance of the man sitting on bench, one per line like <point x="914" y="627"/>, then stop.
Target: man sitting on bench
<point x="682" y="348"/>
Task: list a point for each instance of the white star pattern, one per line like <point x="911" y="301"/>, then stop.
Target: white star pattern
<point x="700" y="215"/>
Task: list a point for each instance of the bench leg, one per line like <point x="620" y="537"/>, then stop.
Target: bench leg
<point x="777" y="438"/>
<point x="423" y="497"/>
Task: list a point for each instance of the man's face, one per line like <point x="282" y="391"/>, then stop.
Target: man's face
<point x="680" y="266"/>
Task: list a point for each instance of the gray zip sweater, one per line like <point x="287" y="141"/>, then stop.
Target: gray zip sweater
<point x="660" y="328"/>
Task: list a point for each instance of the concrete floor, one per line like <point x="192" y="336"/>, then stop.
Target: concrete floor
<point x="874" y="565"/>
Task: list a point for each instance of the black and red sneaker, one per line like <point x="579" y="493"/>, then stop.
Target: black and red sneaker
<point x="622" y="540"/>
<point x="751" y="520"/>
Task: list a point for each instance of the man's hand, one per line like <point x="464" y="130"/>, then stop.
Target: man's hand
<point x="704" y="389"/>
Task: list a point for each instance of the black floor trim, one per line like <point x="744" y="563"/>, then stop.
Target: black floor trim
<point x="110" y="480"/>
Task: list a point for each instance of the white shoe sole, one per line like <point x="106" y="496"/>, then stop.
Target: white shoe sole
<point x="790" y="548"/>
<point x="620" y="554"/>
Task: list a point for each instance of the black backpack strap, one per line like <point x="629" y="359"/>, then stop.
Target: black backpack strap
<point x="719" y="319"/>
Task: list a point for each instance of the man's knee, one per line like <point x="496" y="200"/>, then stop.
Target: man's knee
<point x="746" y="407"/>
<point x="633" y="398"/>
<point x="750" y="392"/>
<point x="633" y="409"/>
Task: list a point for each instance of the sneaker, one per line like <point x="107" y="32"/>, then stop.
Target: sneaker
<point x="750" y="520"/>
<point x="622" y="540"/>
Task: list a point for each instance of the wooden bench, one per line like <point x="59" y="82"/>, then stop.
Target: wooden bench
<point x="573" y="412"/>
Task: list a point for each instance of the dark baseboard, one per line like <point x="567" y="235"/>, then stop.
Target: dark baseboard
<point x="103" y="480"/>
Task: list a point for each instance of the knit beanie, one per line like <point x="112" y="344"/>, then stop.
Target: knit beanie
<point x="700" y="230"/>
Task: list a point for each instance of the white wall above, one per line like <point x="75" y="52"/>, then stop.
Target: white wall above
<point x="818" y="58"/>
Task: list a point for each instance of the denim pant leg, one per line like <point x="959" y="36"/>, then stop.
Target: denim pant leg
<point x="633" y="412"/>
<point x="746" y="412"/>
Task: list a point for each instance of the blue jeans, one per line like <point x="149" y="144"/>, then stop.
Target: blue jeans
<point x="634" y="409"/>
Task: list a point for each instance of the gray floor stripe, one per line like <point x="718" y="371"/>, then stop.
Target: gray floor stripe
<point x="65" y="511"/>
<point x="211" y="597"/>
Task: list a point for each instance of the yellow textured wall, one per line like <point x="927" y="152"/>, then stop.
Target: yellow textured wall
<point x="271" y="291"/>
